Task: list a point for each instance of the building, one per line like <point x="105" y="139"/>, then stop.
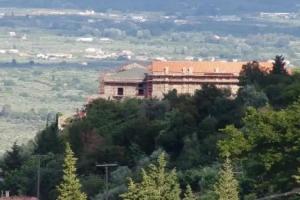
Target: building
<point x="160" y="77"/>
<point x="129" y="81"/>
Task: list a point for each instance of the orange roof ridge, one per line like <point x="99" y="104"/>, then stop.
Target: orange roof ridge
<point x="202" y="66"/>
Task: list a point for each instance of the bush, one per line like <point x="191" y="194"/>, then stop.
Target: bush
<point x="9" y="83"/>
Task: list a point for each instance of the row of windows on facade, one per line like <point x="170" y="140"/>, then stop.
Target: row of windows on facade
<point x="120" y="92"/>
<point x="189" y="70"/>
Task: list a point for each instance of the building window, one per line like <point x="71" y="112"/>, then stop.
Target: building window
<point x="141" y="85"/>
<point x="120" y="91"/>
<point x="141" y="92"/>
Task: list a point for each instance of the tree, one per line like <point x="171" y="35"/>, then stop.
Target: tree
<point x="266" y="146"/>
<point x="252" y="74"/>
<point x="297" y="176"/>
<point x="22" y="181"/>
<point x="279" y="66"/>
<point x="251" y="96"/>
<point x="188" y="195"/>
<point x="70" y="187"/>
<point x="190" y="153"/>
<point x="48" y="140"/>
<point x="156" y="184"/>
<point x="13" y="158"/>
<point x="227" y="186"/>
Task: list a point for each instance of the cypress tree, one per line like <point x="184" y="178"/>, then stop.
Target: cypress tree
<point x="227" y="186"/>
<point x="48" y="140"/>
<point x="70" y="187"/>
<point x="279" y="66"/>
<point x="156" y="184"/>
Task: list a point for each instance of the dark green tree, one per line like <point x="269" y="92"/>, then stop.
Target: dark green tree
<point x="251" y="74"/>
<point x="279" y="66"/>
<point x="12" y="159"/>
<point x="48" y="140"/>
<point x="249" y="95"/>
<point x="22" y="181"/>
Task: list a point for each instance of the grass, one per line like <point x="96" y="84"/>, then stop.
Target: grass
<point x="34" y="92"/>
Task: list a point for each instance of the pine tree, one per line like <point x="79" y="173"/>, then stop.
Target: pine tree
<point x="13" y="158"/>
<point x="227" y="186"/>
<point x="156" y="184"/>
<point x="70" y="187"/>
<point x="279" y="66"/>
<point x="188" y="195"/>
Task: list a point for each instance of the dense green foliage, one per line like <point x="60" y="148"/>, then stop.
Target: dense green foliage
<point x="157" y="184"/>
<point x="267" y="147"/>
<point x="259" y="129"/>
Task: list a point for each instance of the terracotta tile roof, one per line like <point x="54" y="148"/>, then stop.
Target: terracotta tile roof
<point x="202" y="66"/>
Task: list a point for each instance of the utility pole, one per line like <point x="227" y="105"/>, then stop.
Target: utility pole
<point x="47" y="120"/>
<point x="106" y="166"/>
<point x="38" y="178"/>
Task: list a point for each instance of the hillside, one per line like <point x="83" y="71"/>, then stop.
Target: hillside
<point x="210" y="7"/>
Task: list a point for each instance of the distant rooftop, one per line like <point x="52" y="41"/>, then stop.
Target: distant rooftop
<point x="136" y="72"/>
<point x="203" y="66"/>
<point x="131" y="71"/>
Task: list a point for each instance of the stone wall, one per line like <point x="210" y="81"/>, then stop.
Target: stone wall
<point x="162" y="85"/>
<point x="160" y="89"/>
<point x="111" y="91"/>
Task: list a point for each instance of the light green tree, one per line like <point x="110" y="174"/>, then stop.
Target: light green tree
<point x="70" y="187"/>
<point x="188" y="195"/>
<point x="227" y="186"/>
<point x="297" y="176"/>
<point x="157" y="184"/>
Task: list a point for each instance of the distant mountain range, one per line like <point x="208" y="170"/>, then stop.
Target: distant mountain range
<point x="199" y="7"/>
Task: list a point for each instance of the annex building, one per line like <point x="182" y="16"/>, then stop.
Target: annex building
<point x="160" y="77"/>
